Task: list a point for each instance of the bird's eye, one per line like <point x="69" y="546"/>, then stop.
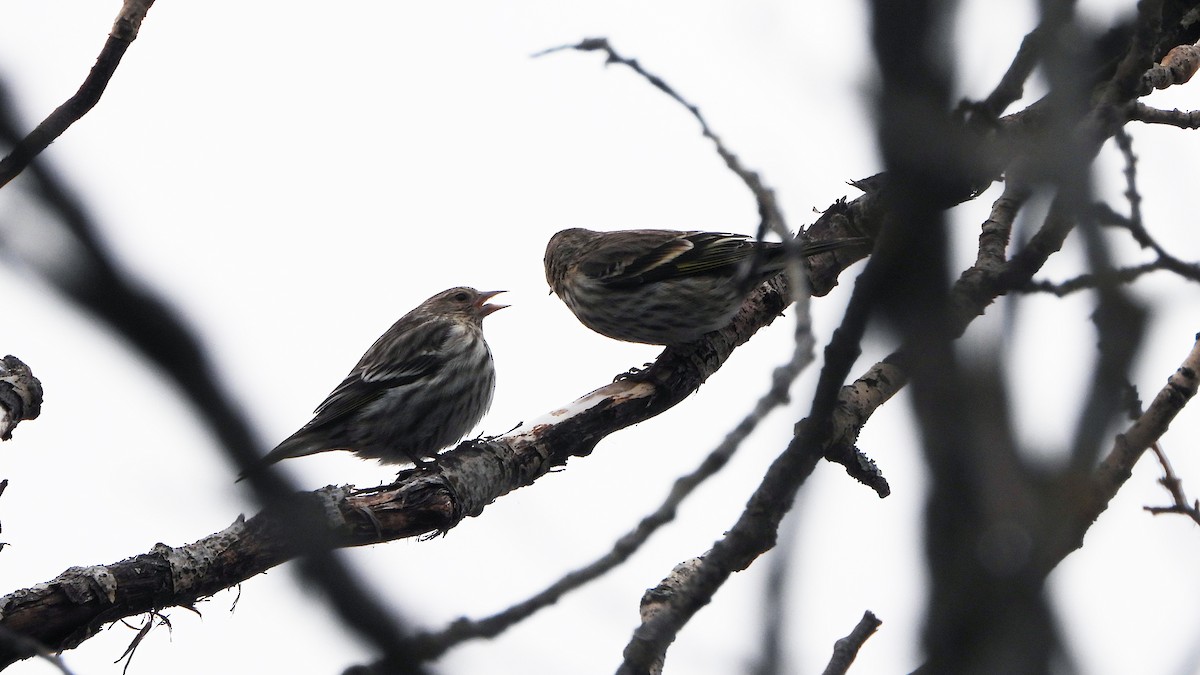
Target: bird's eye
<point x="461" y="296"/>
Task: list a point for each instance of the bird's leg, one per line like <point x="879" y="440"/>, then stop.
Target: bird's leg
<point x="634" y="374"/>
<point x="419" y="464"/>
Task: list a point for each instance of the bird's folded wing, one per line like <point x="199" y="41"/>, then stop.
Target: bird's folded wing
<point x="408" y="358"/>
<point x="694" y="253"/>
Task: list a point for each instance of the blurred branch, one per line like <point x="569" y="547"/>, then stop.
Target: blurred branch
<point x="1120" y="325"/>
<point x="124" y="32"/>
<point x="20" y="395"/>
<point x="1012" y="85"/>
<point x="846" y="649"/>
<point x="97" y="283"/>
<point x="16" y="643"/>
<point x="770" y="657"/>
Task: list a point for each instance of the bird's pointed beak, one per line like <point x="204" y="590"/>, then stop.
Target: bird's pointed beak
<point x="483" y="307"/>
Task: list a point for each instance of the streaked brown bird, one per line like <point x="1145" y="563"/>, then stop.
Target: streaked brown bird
<point x="422" y="386"/>
<point x="663" y="287"/>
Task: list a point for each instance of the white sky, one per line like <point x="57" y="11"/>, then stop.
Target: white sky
<point x="294" y="179"/>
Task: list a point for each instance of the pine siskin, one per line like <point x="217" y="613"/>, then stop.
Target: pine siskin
<point x="425" y="383"/>
<point x="662" y="287"/>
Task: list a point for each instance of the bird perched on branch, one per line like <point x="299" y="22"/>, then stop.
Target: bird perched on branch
<point x="425" y="383"/>
<point x="663" y="287"/>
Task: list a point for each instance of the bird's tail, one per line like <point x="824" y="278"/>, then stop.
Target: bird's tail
<point x="775" y="258"/>
<point x="815" y="247"/>
<point x="296" y="445"/>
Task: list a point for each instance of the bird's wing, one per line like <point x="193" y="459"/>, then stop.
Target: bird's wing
<point x="629" y="263"/>
<point x="396" y="359"/>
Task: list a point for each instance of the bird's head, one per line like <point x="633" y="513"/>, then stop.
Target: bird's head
<point x="465" y="301"/>
<point x="562" y="248"/>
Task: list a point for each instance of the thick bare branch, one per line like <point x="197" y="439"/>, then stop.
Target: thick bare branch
<point x="469" y="478"/>
<point x="1177" y="67"/>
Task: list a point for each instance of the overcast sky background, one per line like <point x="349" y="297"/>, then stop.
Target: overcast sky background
<point x="293" y="177"/>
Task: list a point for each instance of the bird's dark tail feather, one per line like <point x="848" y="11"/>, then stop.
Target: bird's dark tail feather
<point x="815" y="247"/>
<point x="293" y="446"/>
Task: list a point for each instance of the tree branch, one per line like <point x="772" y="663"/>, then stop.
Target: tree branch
<point x="1140" y="112"/>
<point x="1117" y="467"/>
<point x="846" y="649"/>
<point x="124" y="32"/>
<point x="20" y="395"/>
<point x="1174" y="486"/>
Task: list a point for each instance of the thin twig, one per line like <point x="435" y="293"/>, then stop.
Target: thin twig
<point x="1140" y="112"/>
<point x="1174" y="485"/>
<point x="771" y="659"/>
<point x="1091" y="281"/>
<point x="1136" y="226"/>
<point x="124" y="32"/>
<point x="846" y="649"/>
<point x="768" y="209"/>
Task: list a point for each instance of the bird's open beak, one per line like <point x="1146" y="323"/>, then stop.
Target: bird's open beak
<point x="485" y="309"/>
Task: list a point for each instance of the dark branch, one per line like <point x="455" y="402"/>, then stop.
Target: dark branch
<point x="1117" y="466"/>
<point x="846" y="649"/>
<point x="124" y="32"/>
<point x="1140" y="112"/>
